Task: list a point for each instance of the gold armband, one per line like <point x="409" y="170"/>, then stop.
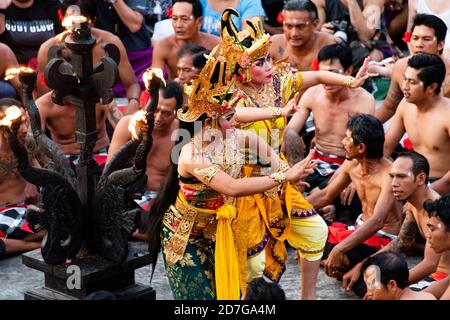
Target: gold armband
<point x="283" y="166"/>
<point x="207" y="173"/>
<point x="348" y="81"/>
<point x="275" y="112"/>
<point x="279" y="177"/>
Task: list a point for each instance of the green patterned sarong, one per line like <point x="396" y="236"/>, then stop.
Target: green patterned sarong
<point x="192" y="278"/>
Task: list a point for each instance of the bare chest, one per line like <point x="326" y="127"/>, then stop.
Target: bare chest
<point x="160" y="155"/>
<point x="368" y="188"/>
<point x="301" y="62"/>
<point x="63" y="120"/>
<point x="172" y="62"/>
<point x="8" y="169"/>
<point x="427" y="132"/>
<point x="331" y="117"/>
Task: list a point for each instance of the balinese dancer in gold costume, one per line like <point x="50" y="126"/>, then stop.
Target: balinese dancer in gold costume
<point x="193" y="222"/>
<point x="264" y="97"/>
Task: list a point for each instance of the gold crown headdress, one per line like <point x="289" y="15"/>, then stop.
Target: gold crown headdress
<point x="210" y="93"/>
<point x="243" y="47"/>
<point x="213" y="92"/>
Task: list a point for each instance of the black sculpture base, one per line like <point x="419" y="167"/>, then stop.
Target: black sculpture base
<point x="95" y="274"/>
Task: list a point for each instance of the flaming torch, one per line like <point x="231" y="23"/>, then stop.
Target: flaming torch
<point x="12" y="72"/>
<point x="138" y="120"/>
<point x="154" y="73"/>
<point x="11" y="118"/>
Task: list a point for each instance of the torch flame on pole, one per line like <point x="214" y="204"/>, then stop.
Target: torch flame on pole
<point x="150" y="73"/>
<point x="12" y="72"/>
<point x="12" y="115"/>
<point x="71" y="22"/>
<point x="139" y="118"/>
<point x="73" y="18"/>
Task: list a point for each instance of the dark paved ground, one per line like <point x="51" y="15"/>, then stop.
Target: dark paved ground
<point x="15" y="279"/>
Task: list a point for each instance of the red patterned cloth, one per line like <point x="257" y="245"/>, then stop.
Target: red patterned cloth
<point x="327" y="163"/>
<point x="436" y="276"/>
<point x="338" y="232"/>
<point x="315" y="65"/>
<point x="12" y="219"/>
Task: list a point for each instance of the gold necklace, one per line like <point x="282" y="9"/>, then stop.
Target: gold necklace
<point x="228" y="157"/>
<point x="263" y="97"/>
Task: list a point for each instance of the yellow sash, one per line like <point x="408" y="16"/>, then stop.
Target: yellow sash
<point x="226" y="266"/>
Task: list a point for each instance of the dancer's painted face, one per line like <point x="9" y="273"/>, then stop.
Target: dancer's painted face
<point x="261" y="70"/>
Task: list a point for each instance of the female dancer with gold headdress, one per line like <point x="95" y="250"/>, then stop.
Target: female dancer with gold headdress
<point x="195" y="227"/>
<point x="264" y="92"/>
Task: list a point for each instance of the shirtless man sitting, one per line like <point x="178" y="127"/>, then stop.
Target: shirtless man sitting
<point x="409" y="175"/>
<point x="186" y="20"/>
<point x="331" y="106"/>
<point x="300" y="40"/>
<point x="386" y="277"/>
<point x="423" y="114"/>
<point x="381" y="218"/>
<point x="126" y="73"/>
<point x="159" y="158"/>
<point x="427" y="36"/>
<point x="62" y="123"/>
<point x="439" y="239"/>
<point x="15" y="193"/>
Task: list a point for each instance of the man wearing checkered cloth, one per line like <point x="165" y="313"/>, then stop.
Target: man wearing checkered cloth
<point x="15" y="234"/>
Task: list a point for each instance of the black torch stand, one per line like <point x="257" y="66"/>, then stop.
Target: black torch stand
<point x="84" y="85"/>
<point x="64" y="282"/>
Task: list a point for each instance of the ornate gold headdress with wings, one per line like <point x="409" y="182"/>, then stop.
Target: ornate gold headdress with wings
<point x="246" y="46"/>
<point x="213" y="92"/>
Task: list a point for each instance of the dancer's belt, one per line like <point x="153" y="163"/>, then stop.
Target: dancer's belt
<point x="203" y="219"/>
<point x="226" y="266"/>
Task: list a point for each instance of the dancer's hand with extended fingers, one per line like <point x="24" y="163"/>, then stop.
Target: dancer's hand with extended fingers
<point x="362" y="75"/>
<point x="301" y="170"/>
<point x="291" y="106"/>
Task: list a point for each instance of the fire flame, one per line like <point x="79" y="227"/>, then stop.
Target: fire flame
<point x="139" y="118"/>
<point x="12" y="72"/>
<point x="12" y="114"/>
<point x="150" y="73"/>
<point x="71" y="22"/>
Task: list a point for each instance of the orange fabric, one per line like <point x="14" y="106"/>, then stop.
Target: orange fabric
<point x="436" y="276"/>
<point x="315" y="65"/>
<point x="408" y="144"/>
<point x="338" y="232"/>
<point x="249" y="231"/>
<point x="143" y="99"/>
